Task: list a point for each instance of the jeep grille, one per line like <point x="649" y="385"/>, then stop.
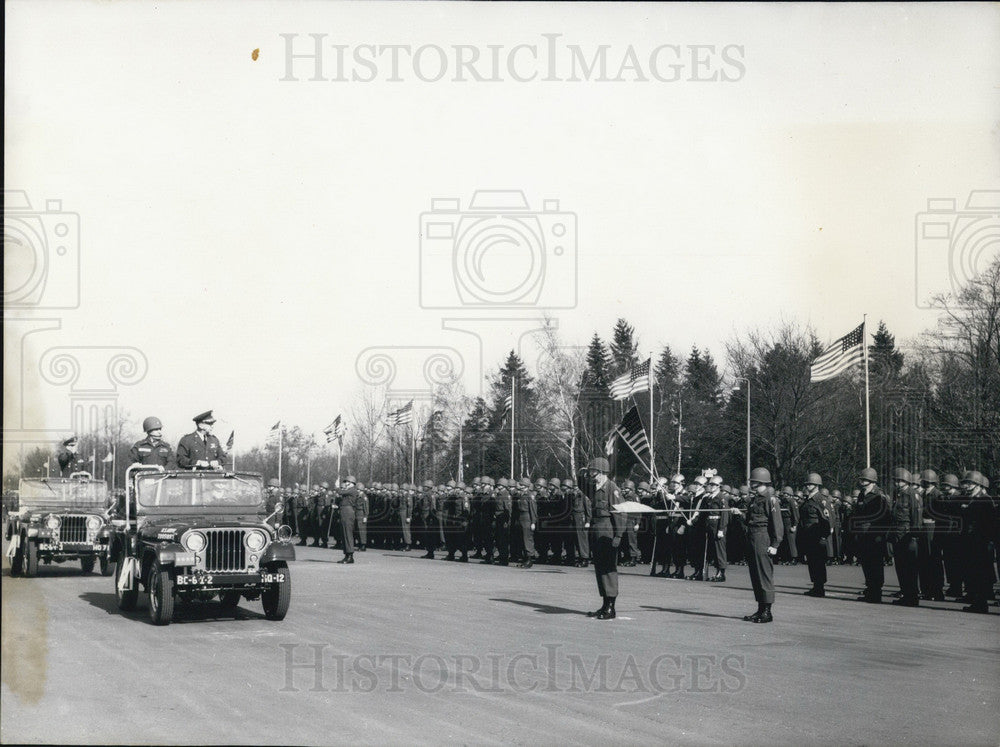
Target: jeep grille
<point x="225" y="551"/>
<point x="73" y="529"/>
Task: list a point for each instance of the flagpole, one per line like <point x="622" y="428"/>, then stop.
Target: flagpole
<point x="461" y="477"/>
<point x="280" y="439"/>
<point x="413" y="452"/>
<point x="513" y="388"/>
<point x="114" y="462"/>
<point x="868" y="425"/>
<point x="340" y="453"/>
<point x="652" y="437"/>
<point x="680" y="417"/>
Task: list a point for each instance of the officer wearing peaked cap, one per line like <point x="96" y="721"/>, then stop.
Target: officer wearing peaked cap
<point x="348" y="502"/>
<point x="201" y="449"/>
<point x="153" y="449"/>
<point x="68" y="458"/>
<point x="606" y="530"/>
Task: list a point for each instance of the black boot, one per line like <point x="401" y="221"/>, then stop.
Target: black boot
<point x="602" y="610"/>
<point x="765" y="615"/>
<point x="756" y="615"/>
<point x="815" y="591"/>
<point x="609" y="611"/>
<point x="429" y="555"/>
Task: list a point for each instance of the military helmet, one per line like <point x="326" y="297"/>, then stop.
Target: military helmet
<point x="451" y="483"/>
<point x="825" y="491"/>
<point x="477" y="480"/>
<point x="868" y="474"/>
<point x="643" y="485"/>
<point x="976" y="478"/>
<point x="502" y="482"/>
<point x="273" y="483"/>
<point x="541" y="482"/>
<point x="600" y="464"/>
<point x="428" y="483"/>
<point x="726" y="489"/>
<point x="151" y="424"/>
<point x="787" y="490"/>
<point x="837" y="494"/>
<point x="555" y="482"/>
<point x="628" y="485"/>
<point x="351" y="479"/>
<point x="677" y="478"/>
<point x="700" y="480"/>
<point x="814" y="479"/>
<point x="568" y="483"/>
<point x="524" y="482"/>
<point x="929" y="476"/>
<point x="716" y="480"/>
<point x="901" y="474"/>
<point x="950" y="480"/>
<point x="487" y="480"/>
<point x="760" y="474"/>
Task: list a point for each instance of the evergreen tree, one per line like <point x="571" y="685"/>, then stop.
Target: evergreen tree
<point x="597" y="376"/>
<point x="624" y="347"/>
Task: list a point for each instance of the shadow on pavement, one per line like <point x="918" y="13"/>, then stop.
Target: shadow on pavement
<point x="184" y="612"/>
<point x="547" y="609"/>
<point x="689" y="612"/>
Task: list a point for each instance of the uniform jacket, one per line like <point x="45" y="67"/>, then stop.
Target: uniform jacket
<point x="70" y="462"/>
<point x="580" y="503"/>
<point x="147" y="452"/>
<point x="871" y="512"/>
<point x="718" y="519"/>
<point x="906" y="514"/>
<point x="765" y="511"/>
<point x="601" y="501"/>
<point x="815" y="516"/>
<point x="192" y="449"/>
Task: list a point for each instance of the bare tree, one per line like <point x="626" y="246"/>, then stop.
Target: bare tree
<point x="558" y="381"/>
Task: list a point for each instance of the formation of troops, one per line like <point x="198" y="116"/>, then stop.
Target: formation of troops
<point x="940" y="534"/>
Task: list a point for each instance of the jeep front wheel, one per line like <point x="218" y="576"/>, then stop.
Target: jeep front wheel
<point x="87" y="563"/>
<point x="161" y="595"/>
<point x="128" y="598"/>
<point x="107" y="567"/>
<point x="277" y="596"/>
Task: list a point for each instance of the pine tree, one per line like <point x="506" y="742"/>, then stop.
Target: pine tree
<point x="597" y="376"/>
<point x="624" y="347"/>
<point x="884" y="360"/>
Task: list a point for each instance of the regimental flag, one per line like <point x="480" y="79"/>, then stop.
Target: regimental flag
<point x="335" y="431"/>
<point x="109" y="458"/>
<point x="634" y="381"/>
<point x="840" y="356"/>
<point x="231" y="440"/>
<point x="402" y="416"/>
<point x="275" y="432"/>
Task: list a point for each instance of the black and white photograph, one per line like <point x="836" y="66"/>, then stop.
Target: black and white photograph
<point x="480" y="373"/>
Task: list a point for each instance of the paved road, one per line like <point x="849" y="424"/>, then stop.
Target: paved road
<point x="400" y="650"/>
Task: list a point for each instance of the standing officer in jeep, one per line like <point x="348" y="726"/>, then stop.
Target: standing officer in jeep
<point x="201" y="450"/>
<point x="153" y="449"/>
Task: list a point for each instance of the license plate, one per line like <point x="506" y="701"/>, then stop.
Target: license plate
<point x="272" y="578"/>
<point x="49" y="546"/>
<point x="203" y="580"/>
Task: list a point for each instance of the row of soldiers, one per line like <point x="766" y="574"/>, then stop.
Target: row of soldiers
<point x="927" y="527"/>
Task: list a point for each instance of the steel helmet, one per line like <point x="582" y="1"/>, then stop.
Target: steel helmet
<point x="760" y="474"/>
<point x="814" y="479"/>
<point x="868" y="474"/>
<point x="677" y="478"/>
<point x="929" y="476"/>
<point x="901" y="474"/>
<point x="715" y="481"/>
<point x="599" y="464"/>
<point x="152" y="424"/>
<point x="525" y="482"/>
<point x="643" y="485"/>
<point x="976" y="478"/>
<point x="629" y="485"/>
<point x="555" y="482"/>
<point x="950" y="480"/>
<point x="700" y="480"/>
<point x="273" y="483"/>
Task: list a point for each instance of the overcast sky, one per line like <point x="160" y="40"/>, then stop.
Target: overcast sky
<point x="253" y="236"/>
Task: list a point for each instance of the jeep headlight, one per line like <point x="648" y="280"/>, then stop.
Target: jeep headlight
<point x="195" y="542"/>
<point x="93" y="523"/>
<point x="53" y="522"/>
<point x="256" y="540"/>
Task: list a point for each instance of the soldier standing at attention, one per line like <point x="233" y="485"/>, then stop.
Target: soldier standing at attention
<point x="429" y="519"/>
<point x="153" y="449"/>
<point x="348" y="506"/>
<point x="69" y="460"/>
<point x="717" y="522"/>
<point x="764" y="531"/>
<point x="606" y="530"/>
<point x="201" y="449"/>
<point x="906" y="515"/>
<point x="868" y="524"/>
<point x="978" y="516"/>
<point x="404" y="514"/>
<point x="814" y="516"/>
<point x="362" y="511"/>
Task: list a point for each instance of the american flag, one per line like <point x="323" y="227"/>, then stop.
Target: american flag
<point x="635" y="380"/>
<point x="632" y="433"/>
<point x="231" y="441"/>
<point x="275" y="431"/>
<point x="840" y="356"/>
<point x="508" y="405"/>
<point x="402" y="416"/>
<point x="335" y="431"/>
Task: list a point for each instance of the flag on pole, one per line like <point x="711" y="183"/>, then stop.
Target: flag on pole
<point x="633" y="433"/>
<point x="840" y="356"/>
<point x="231" y="440"/>
<point x="275" y="432"/>
<point x="635" y="380"/>
<point x="109" y="458"/>
<point x="508" y="406"/>
<point x="402" y="416"/>
<point x="335" y="431"/>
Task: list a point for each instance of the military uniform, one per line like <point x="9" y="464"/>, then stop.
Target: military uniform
<point x="814" y="529"/>
<point x="868" y="524"/>
<point x="499" y="509"/>
<point x="347" y="502"/>
<point x="402" y="504"/>
<point x="70" y="462"/>
<point x="362" y="509"/>
<point x="716" y="525"/>
<point x="606" y="530"/>
<point x="153" y="451"/>
<point x="524" y="516"/>
<point x="765" y="529"/>
<point x="200" y="447"/>
<point x="905" y="517"/>
<point x="582" y="518"/>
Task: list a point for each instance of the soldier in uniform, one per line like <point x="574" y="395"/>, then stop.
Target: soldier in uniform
<point x="543" y="533"/>
<point x="67" y="457"/>
<point x="695" y="529"/>
<point x="524" y="519"/>
<point x="868" y="524"/>
<point x="429" y="519"/>
<point x="403" y="509"/>
<point x="347" y="501"/>
<point x="717" y="522"/>
<point x="498" y="508"/>
<point x="789" y="551"/>
<point x="579" y="550"/>
<point x="201" y="449"/>
<point x="153" y="449"/>
<point x="630" y="547"/>
<point x="951" y="549"/>
<point x="660" y="553"/>
<point x="362" y="510"/>
<point x="836" y="514"/>
<point x="458" y="511"/>
<point x="930" y="568"/>
<point x="606" y="532"/>
<point x="764" y="531"/>
<point x="303" y="516"/>
<point x="679" y="500"/>
<point x="814" y="516"/>
<point x="558" y="522"/>
<point x="978" y="517"/>
<point x="905" y="515"/>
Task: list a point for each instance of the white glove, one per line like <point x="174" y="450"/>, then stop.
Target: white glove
<point x="680" y="530"/>
<point x="201" y="463"/>
<point x="586" y="525"/>
<point x="532" y="527"/>
<point x="214" y="463"/>
<point x="772" y="551"/>
<point x="792" y="529"/>
<point x="720" y="534"/>
<point x="637" y="527"/>
<point x="407" y="521"/>
<point x="364" y="519"/>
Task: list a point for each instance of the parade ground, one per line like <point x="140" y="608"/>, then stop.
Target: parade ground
<point x="396" y="649"/>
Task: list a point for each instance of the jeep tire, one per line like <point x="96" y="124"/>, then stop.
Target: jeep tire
<point x="30" y="559"/>
<point x="230" y="600"/>
<point x="87" y="563"/>
<point x="107" y="567"/>
<point x="160" y="587"/>
<point x="277" y="597"/>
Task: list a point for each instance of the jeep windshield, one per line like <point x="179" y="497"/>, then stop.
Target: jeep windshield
<point x="201" y="490"/>
<point x="63" y="494"/>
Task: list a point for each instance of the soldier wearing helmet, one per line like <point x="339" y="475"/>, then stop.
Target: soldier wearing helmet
<point x="816" y="525"/>
<point x="578" y="550"/>
<point x="930" y="550"/>
<point x="694" y="530"/>
<point x="678" y="501"/>
<point x="764" y="531"/>
<point x="524" y="520"/>
<point x="348" y="501"/>
<point x="717" y="523"/>
<point x="905" y="515"/>
<point x="978" y="517"/>
<point x="499" y="505"/>
<point x="429" y="521"/>
<point x="629" y="553"/>
<point x="951" y="547"/>
<point x="153" y="449"/>
<point x="606" y="530"/>
<point x="869" y="524"/>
